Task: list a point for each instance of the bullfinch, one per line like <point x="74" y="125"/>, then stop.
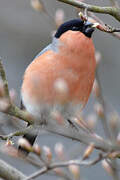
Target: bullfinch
<point x="61" y="76"/>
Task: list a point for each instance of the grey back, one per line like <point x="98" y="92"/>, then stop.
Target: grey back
<point x="54" y="46"/>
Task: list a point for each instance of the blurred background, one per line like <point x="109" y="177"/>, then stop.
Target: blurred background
<point x="24" y="32"/>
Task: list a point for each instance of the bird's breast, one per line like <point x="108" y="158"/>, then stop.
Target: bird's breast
<point x="64" y="78"/>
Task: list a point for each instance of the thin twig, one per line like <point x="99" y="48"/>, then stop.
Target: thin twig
<point x="13" y="110"/>
<point x="10" y="173"/>
<point x="113" y="11"/>
<point x="97" y="19"/>
<point x="3" y="76"/>
<point x="32" y="160"/>
<point x="64" y="164"/>
<point x="23" y="115"/>
<point x="17" y="133"/>
<point x="105" y="125"/>
<point x="99" y="142"/>
<point x="101" y="101"/>
<point x="114" y="3"/>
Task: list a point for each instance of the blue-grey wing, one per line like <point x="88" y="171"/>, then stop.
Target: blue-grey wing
<point x="53" y="46"/>
<point x="43" y="51"/>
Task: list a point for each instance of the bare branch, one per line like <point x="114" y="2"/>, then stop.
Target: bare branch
<point x="99" y="142"/>
<point x="113" y="11"/>
<point x="97" y="19"/>
<point x="9" y="173"/>
<point x="105" y="125"/>
<point x="64" y="164"/>
<point x="3" y="76"/>
<point x="23" y="115"/>
<point x="12" y="109"/>
<point x="114" y="3"/>
<point x="17" y="133"/>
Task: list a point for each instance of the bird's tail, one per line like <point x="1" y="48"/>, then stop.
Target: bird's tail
<point x="31" y="139"/>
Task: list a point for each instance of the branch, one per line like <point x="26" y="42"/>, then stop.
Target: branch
<point x="3" y="76"/>
<point x="66" y="132"/>
<point x="99" y="143"/>
<point x="17" y="133"/>
<point x="104" y="121"/>
<point x="23" y="115"/>
<point x="114" y="3"/>
<point x="113" y="11"/>
<point x="9" y="173"/>
<point x="45" y="169"/>
<point x="86" y="138"/>
<point x="11" y="109"/>
<point x="97" y="19"/>
<point x="63" y="173"/>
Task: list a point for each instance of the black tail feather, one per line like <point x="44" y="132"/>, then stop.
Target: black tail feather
<point x="29" y="137"/>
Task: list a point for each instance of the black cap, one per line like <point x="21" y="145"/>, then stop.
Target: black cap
<point x="76" y="25"/>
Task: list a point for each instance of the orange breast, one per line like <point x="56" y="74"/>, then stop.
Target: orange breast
<point x="63" y="77"/>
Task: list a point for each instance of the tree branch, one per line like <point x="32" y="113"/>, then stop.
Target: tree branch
<point x="17" y="133"/>
<point x="97" y="19"/>
<point x="12" y="109"/>
<point x="113" y="11"/>
<point x="3" y="76"/>
<point x="64" y="164"/>
<point x="85" y="138"/>
<point x="114" y="3"/>
<point x="9" y="173"/>
<point x="99" y="143"/>
<point x="23" y="115"/>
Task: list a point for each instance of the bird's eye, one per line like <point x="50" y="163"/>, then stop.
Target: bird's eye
<point x="73" y="28"/>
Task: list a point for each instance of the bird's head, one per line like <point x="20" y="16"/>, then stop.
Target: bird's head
<point x="86" y="28"/>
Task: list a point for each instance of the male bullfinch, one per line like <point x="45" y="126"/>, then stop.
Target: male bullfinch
<point x="61" y="76"/>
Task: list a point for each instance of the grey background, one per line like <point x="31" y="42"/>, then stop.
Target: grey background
<point x="24" y="32"/>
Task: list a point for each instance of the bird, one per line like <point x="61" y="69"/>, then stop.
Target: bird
<point x="61" y="76"/>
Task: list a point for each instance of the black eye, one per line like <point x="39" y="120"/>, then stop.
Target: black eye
<point x="88" y="31"/>
<point x="75" y="28"/>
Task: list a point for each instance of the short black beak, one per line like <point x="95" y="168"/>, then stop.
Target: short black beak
<point x="88" y="29"/>
<point x="88" y="24"/>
